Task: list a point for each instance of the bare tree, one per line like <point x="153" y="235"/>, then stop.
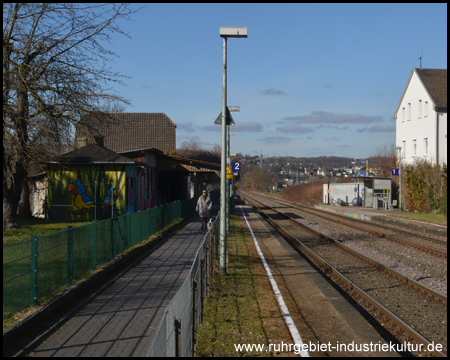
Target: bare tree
<point x="192" y="149"/>
<point x="257" y="179"/>
<point x="54" y="72"/>
<point x="384" y="160"/>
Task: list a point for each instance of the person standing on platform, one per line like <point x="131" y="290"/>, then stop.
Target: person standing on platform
<point x="203" y="208"/>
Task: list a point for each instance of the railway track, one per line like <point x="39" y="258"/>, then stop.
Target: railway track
<point x="412" y="312"/>
<point x="418" y="241"/>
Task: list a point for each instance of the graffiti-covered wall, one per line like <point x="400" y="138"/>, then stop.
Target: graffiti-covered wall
<point x="141" y="189"/>
<point x="72" y="193"/>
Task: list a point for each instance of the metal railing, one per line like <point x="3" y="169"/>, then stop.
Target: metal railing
<point x="35" y="268"/>
<point x="177" y="331"/>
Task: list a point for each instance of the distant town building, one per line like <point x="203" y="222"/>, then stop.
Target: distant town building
<point x="421" y="116"/>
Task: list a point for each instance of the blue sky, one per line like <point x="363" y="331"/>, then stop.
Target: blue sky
<point x="310" y="79"/>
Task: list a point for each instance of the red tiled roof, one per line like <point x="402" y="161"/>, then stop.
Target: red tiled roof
<point x="130" y="131"/>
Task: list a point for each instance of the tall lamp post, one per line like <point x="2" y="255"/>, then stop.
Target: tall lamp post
<point x="399" y="148"/>
<point x="225" y="33"/>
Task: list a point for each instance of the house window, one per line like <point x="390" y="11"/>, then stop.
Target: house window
<point x="403" y="114"/>
<point x="414" y="147"/>
<point x="408" y="112"/>
<point x="425" y="109"/>
<point x="420" y="109"/>
<point x="425" y="146"/>
<point x="404" y="147"/>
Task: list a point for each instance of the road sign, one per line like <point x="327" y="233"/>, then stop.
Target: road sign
<point x="328" y="191"/>
<point x="367" y="169"/>
<point x="235" y="188"/>
<point x="230" y="120"/>
<point x="395" y="172"/>
<point x="236" y="166"/>
<point x="229" y="173"/>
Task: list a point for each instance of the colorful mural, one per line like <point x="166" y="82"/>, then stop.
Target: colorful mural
<point x="80" y="199"/>
<point x="141" y="189"/>
<point x="72" y="193"/>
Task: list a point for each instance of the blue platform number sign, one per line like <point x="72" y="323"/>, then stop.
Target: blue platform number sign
<point x="236" y="166"/>
<point x="395" y="172"/>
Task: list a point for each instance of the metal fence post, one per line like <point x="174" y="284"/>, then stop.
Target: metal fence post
<point x="208" y="262"/>
<point x="112" y="238"/>
<point x="140" y="225"/>
<point x="194" y="314"/>
<point x="202" y="288"/>
<point x="69" y="255"/>
<point x="128" y="231"/>
<point x="94" y="246"/>
<point x="177" y="330"/>
<point x="33" y="274"/>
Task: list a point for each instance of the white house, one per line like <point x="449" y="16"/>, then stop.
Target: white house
<point x="421" y="117"/>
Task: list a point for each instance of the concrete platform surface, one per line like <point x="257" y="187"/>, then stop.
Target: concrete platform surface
<point x="122" y="319"/>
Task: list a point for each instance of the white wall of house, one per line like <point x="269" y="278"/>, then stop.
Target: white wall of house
<point x="443" y="138"/>
<point x="416" y="125"/>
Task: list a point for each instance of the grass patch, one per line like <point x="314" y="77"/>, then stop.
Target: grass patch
<point x="431" y="218"/>
<point x="39" y="227"/>
<point x="241" y="308"/>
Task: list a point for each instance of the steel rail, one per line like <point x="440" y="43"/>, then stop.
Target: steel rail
<point x="317" y="212"/>
<point x="303" y="207"/>
<point x="402" y="327"/>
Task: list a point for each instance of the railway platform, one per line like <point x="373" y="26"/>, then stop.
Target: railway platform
<point x="386" y="217"/>
<point x="321" y="313"/>
<point x="122" y="318"/>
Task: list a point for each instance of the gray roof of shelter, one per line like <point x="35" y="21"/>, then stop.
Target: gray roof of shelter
<point x="92" y="154"/>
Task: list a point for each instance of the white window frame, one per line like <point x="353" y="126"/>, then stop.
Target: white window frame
<point x="425" y="112"/>
<point x="404" y="147"/>
<point x="420" y="109"/>
<point x="414" y="147"/>
<point x="408" y="112"/>
<point x="403" y="114"/>
<point x="425" y="146"/>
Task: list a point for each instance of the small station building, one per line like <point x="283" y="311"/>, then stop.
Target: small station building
<point x="373" y="192"/>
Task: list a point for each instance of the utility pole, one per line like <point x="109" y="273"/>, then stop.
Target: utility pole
<point x="223" y="168"/>
<point x="225" y="32"/>
<point x="312" y="185"/>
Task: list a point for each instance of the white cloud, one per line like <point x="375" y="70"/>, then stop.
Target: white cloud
<point x="326" y="117"/>
<point x="241" y="126"/>
<point x="382" y="128"/>
<point x="187" y="127"/>
<point x="294" y="128"/>
<point x="273" y="92"/>
<point x="276" y="139"/>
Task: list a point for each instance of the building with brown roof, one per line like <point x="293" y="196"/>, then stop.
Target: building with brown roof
<point x="130" y="131"/>
<point x="93" y="182"/>
<point x="421" y="125"/>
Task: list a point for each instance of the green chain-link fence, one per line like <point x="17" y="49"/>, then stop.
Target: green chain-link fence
<point x="34" y="268"/>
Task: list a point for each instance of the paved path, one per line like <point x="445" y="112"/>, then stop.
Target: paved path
<point x="122" y="320"/>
